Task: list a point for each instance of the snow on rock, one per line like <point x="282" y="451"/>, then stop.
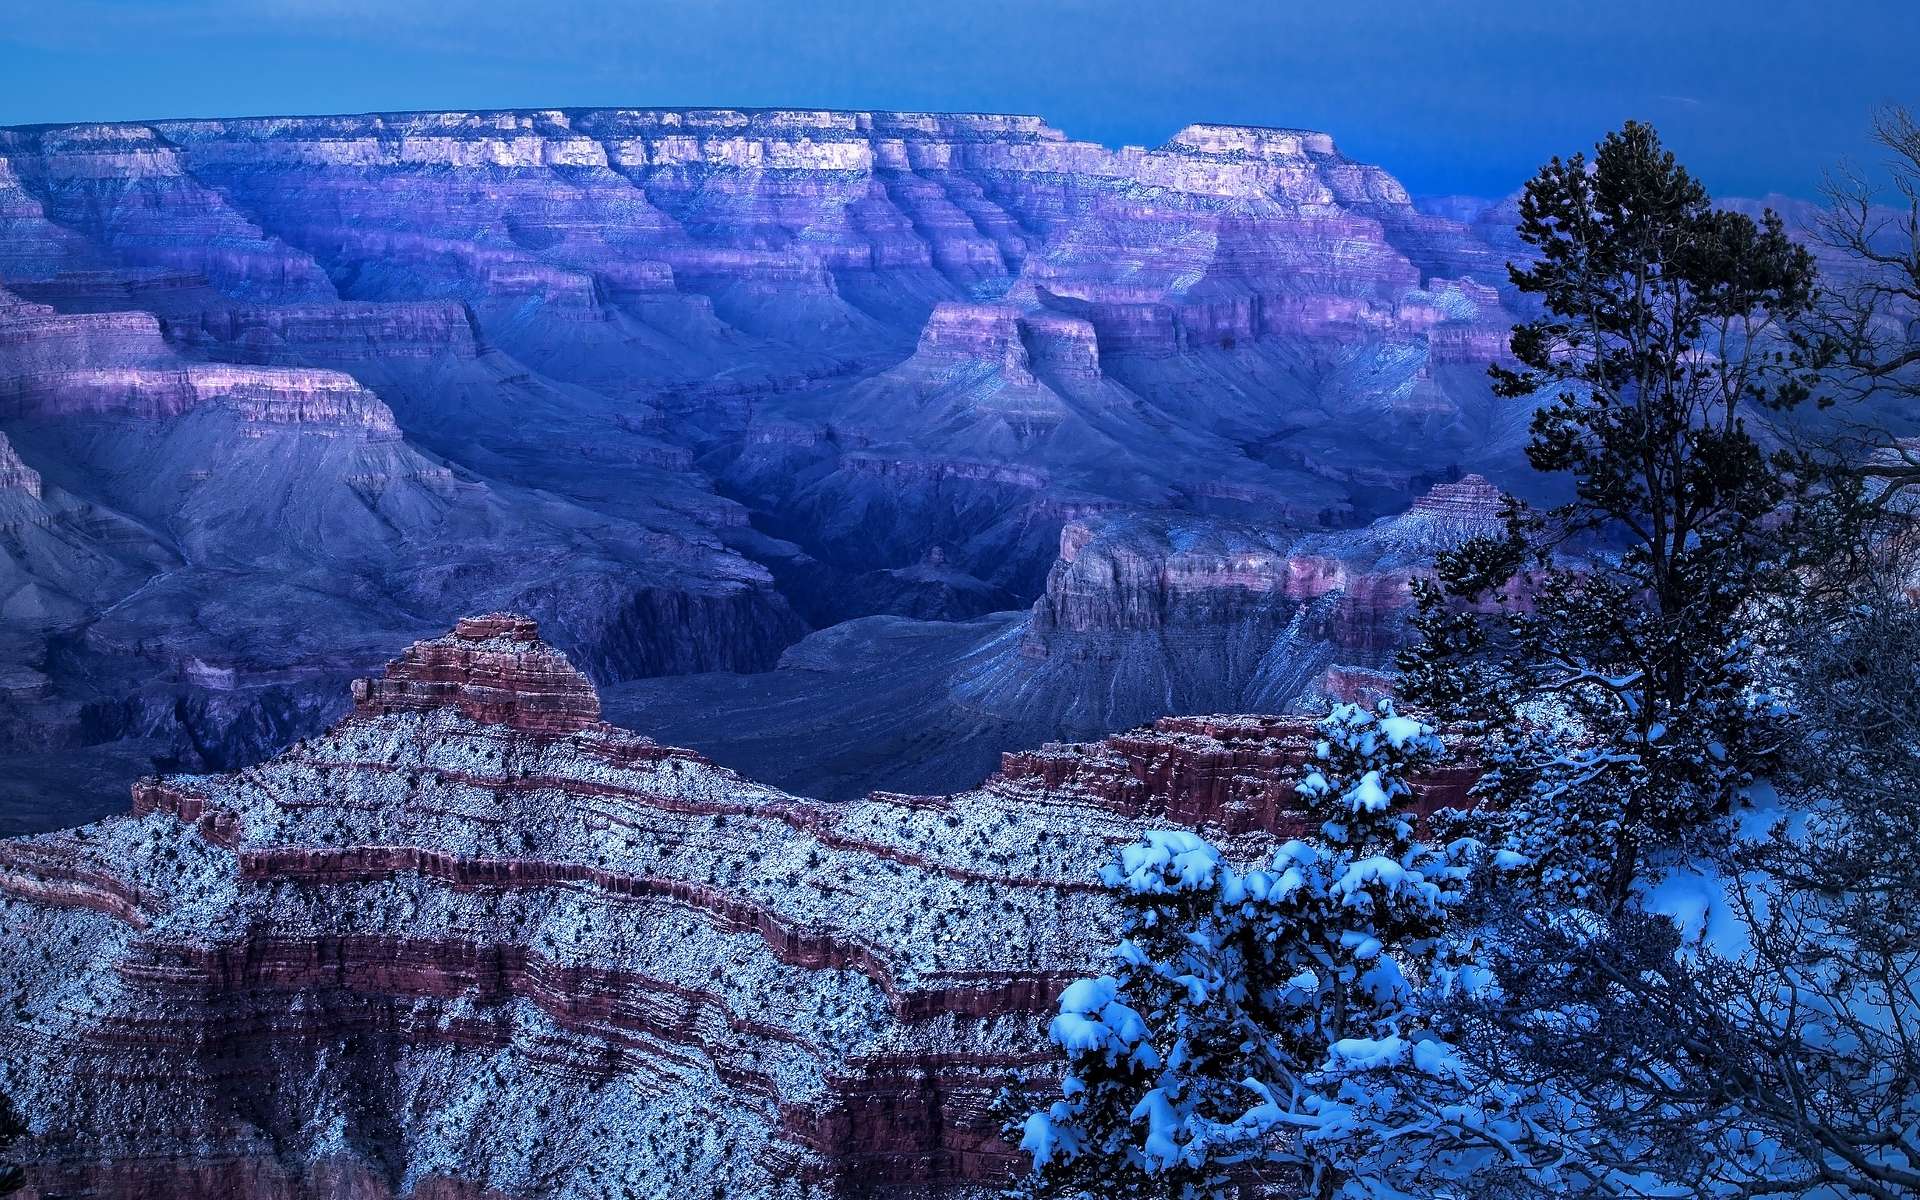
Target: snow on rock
<point x="474" y="941"/>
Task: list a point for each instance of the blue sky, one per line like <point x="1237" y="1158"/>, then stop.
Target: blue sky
<point x="1451" y="95"/>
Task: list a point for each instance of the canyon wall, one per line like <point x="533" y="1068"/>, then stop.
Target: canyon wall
<point x="1143" y="615"/>
<point x="473" y="941"/>
<point x="684" y="383"/>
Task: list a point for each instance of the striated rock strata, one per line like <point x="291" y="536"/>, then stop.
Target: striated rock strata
<point x="687" y="384"/>
<point x="492" y="669"/>
<point x="475" y="942"/>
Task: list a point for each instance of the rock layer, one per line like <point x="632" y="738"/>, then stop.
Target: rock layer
<point x="683" y="382"/>
<point x="473" y="941"/>
<point x="492" y="669"/>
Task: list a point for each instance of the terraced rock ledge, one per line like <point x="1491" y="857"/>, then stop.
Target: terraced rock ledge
<point x="474" y="941"/>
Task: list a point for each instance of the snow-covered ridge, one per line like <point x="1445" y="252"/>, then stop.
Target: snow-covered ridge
<point x="474" y="898"/>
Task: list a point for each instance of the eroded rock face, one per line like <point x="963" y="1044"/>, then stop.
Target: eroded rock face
<point x="1470" y="500"/>
<point x="16" y="476"/>
<point x="682" y="382"/>
<point x="1235" y="773"/>
<point x="1153" y="572"/>
<point x="1144" y="614"/>
<point x="492" y="669"/>
<point x="39" y="345"/>
<point x="342" y="332"/>
<point x="473" y="941"/>
<point x="263" y="396"/>
<point x="1138" y="572"/>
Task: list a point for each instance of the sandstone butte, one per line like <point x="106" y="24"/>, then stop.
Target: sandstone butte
<point x="475" y="942"/>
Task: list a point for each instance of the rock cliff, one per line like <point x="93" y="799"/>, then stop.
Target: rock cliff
<point x="16" y="476"/>
<point x="682" y="382"/>
<point x="1144" y="615"/>
<point x="473" y="941"/>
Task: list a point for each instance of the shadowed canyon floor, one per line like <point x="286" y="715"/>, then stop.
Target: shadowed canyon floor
<point x="1141" y="616"/>
<point x="280" y="395"/>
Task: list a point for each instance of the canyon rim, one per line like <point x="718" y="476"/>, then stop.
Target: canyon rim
<point x="1240" y="639"/>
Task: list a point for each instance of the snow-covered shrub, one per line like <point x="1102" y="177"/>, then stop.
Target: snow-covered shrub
<point x="1268" y="1024"/>
<point x="1739" y="1013"/>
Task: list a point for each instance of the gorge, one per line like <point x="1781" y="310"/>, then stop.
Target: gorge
<point x="473" y="941"/>
<point x="948" y="404"/>
<point x="923" y="475"/>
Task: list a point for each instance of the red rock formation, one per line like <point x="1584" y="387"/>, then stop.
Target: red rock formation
<point x="1235" y="773"/>
<point x="475" y="942"/>
<point x="492" y="669"/>
<point x="1470" y="498"/>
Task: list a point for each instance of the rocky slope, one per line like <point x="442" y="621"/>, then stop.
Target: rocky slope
<point x="207" y="550"/>
<point x="684" y="383"/>
<point x="1144" y="614"/>
<point x="474" y="941"/>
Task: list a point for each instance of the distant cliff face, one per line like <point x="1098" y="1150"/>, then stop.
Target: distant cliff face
<point x="474" y="942"/>
<point x="1149" y="614"/>
<point x="1143" y="615"/>
<point x="683" y="383"/>
<point x="1135" y="572"/>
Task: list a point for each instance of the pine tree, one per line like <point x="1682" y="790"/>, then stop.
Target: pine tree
<point x="1617" y="693"/>
<point x="1265" y="1025"/>
<point x="1621" y="696"/>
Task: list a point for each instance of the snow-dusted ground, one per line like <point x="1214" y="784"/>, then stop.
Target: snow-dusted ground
<point x="557" y="965"/>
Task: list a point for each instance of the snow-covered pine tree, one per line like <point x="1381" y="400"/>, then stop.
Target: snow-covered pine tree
<point x="1750" y="1027"/>
<point x="1662" y="332"/>
<point x="1672" y="1003"/>
<point x="1268" y="1025"/>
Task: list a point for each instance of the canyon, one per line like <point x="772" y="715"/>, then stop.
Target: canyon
<point x="1142" y="615"/>
<point x="766" y="415"/>
<point x="473" y="941"/>
<point x="864" y="511"/>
